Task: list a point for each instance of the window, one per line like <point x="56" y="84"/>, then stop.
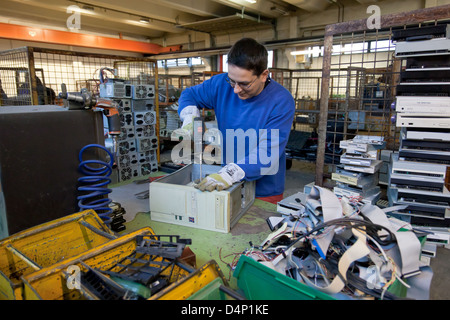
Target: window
<point x="180" y="62"/>
<point x="350" y="48"/>
<point x="381" y="45"/>
<point x="196" y="61"/>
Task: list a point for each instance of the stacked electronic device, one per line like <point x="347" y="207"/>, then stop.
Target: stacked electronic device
<point x="357" y="174"/>
<point x="117" y="217"/>
<point x="169" y="120"/>
<point x="138" y="143"/>
<point x="417" y="182"/>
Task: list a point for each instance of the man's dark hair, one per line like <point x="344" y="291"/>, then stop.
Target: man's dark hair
<point x="249" y="54"/>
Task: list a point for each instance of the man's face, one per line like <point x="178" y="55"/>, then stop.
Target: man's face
<point x="246" y="84"/>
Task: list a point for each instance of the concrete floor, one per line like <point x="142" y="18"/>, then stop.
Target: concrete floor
<point x="300" y="174"/>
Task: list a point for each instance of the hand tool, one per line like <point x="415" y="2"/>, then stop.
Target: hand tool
<point x="86" y="100"/>
<point x="199" y="130"/>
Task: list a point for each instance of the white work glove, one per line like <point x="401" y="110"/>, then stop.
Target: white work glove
<point x="223" y="179"/>
<point x="187" y="115"/>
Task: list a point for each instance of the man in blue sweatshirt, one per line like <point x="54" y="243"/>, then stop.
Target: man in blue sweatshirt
<point x="253" y="111"/>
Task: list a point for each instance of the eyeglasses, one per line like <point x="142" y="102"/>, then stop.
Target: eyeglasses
<point x="243" y="86"/>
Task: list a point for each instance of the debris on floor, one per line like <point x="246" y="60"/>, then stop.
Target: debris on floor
<point x="344" y="248"/>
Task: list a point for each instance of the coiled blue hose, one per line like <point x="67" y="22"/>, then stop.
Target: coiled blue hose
<point x="94" y="182"/>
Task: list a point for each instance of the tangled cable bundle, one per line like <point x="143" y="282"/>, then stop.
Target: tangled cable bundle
<point x="359" y="254"/>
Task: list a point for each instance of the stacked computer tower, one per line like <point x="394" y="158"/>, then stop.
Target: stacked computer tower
<point x="417" y="183"/>
<point x="357" y="174"/>
<point x="138" y="142"/>
<point x="169" y="120"/>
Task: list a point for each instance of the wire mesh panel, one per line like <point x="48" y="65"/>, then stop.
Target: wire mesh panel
<point x="304" y="85"/>
<point x="34" y="76"/>
<point x="75" y="70"/>
<point x="360" y="80"/>
<point x="362" y="83"/>
<point x="14" y="78"/>
<point x="137" y="72"/>
<point x="351" y="88"/>
<point x="46" y="69"/>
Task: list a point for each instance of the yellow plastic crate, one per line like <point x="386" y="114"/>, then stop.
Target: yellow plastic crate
<point x="52" y="283"/>
<point x="187" y="287"/>
<point x="216" y="290"/>
<point x="33" y="249"/>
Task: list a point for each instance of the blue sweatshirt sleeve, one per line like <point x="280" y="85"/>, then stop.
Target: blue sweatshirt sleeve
<point x="270" y="114"/>
<point x="201" y="95"/>
<point x="272" y="140"/>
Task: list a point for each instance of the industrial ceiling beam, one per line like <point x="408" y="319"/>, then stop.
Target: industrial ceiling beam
<point x="310" y="5"/>
<point x="159" y="19"/>
<point x="16" y="32"/>
<point x="38" y="17"/>
<point x="203" y="8"/>
<point x="141" y="8"/>
<point x="265" y="8"/>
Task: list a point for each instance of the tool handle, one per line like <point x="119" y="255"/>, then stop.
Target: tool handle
<point x="63" y="94"/>
<point x="111" y="111"/>
<point x="114" y="123"/>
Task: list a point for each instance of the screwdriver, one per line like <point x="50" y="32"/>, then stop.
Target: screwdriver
<point x="199" y="129"/>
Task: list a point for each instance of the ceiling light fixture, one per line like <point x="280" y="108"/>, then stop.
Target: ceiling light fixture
<point x="105" y="9"/>
<point x="241" y="2"/>
<point x="76" y="8"/>
<point x="276" y="9"/>
<point x="87" y="7"/>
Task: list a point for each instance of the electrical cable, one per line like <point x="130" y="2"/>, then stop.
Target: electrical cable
<point x="328" y="267"/>
<point x="93" y="183"/>
<point x="371" y="230"/>
<point x="360" y="284"/>
<point x="362" y="225"/>
<point x="102" y="79"/>
<point x="354" y="281"/>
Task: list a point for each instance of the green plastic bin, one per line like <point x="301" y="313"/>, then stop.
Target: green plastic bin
<point x="215" y="290"/>
<point x="259" y="282"/>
